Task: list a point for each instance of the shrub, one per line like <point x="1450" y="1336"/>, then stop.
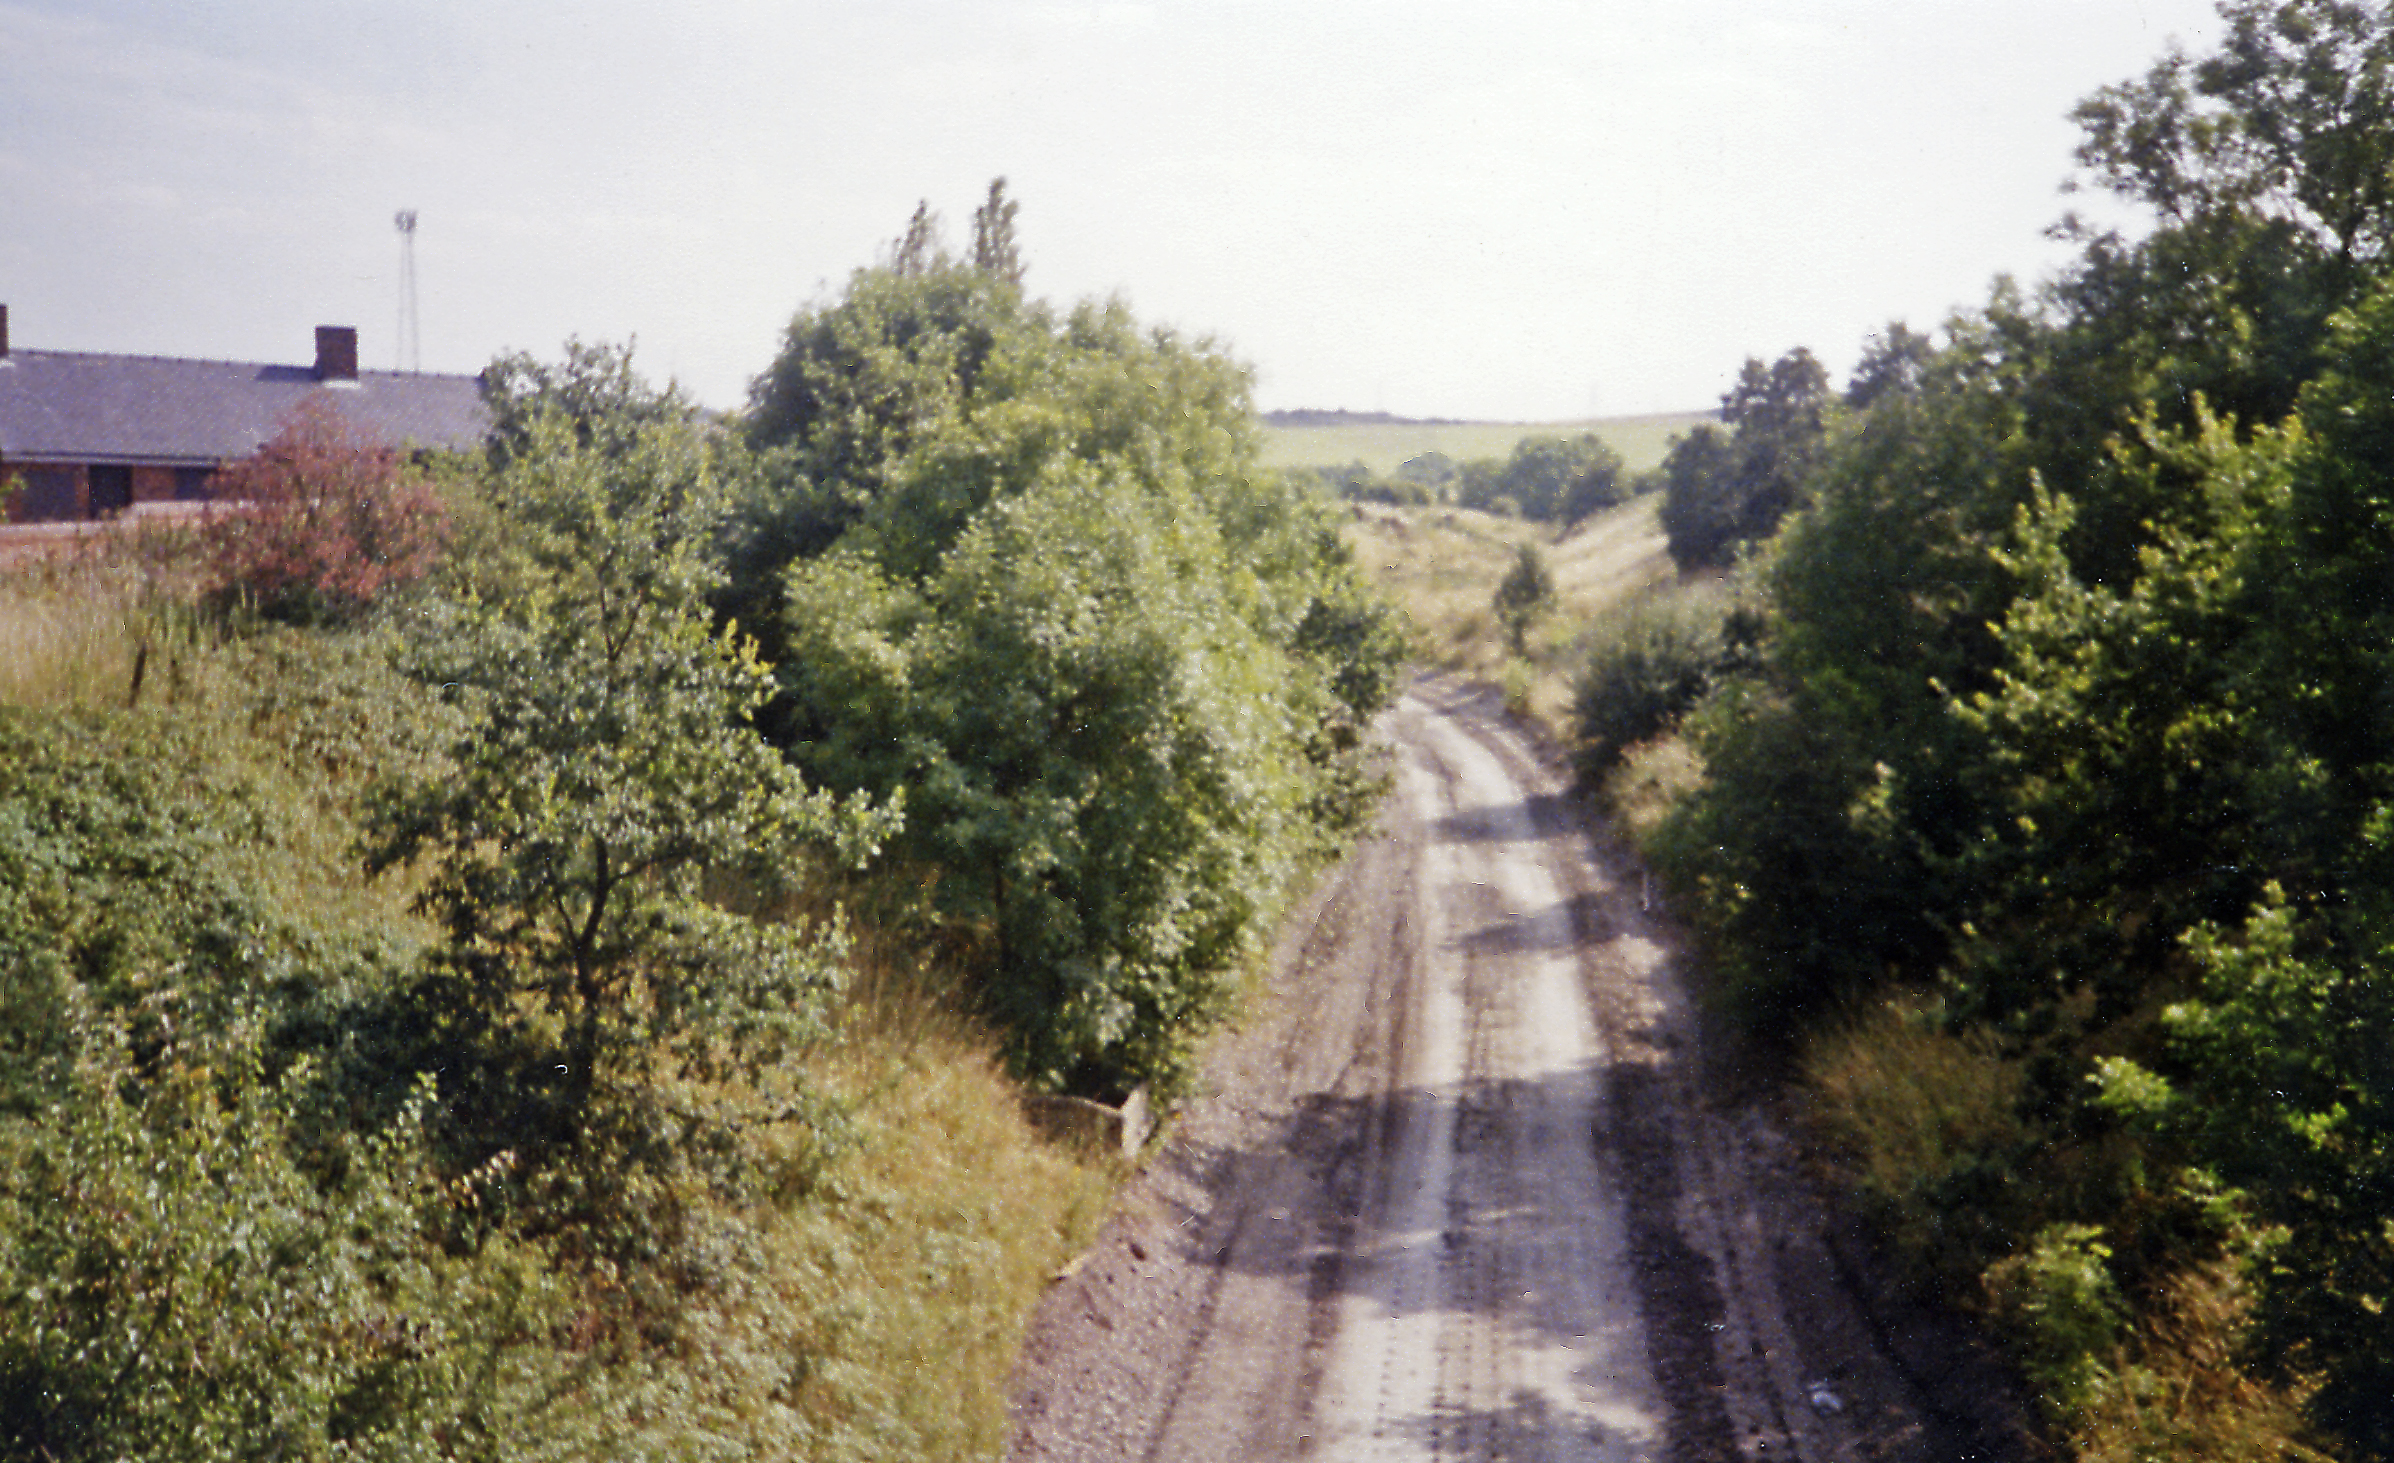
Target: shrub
<point x="321" y="521"/>
<point x="1648" y="661"/>
<point x="177" y="1286"/>
<point x="1920" y="1118"/>
<point x="1525" y="596"/>
<point x="2063" y="1311"/>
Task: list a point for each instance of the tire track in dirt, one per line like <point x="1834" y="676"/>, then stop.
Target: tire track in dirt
<point x="1456" y="1190"/>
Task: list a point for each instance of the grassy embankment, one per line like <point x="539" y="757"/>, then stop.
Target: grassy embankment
<point x="913" y="1263"/>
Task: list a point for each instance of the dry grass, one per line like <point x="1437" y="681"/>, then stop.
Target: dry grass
<point x="66" y="642"/>
<point x="1903" y="1101"/>
<point x="1642" y="787"/>
<point x="1443" y="564"/>
<point x="88" y="627"/>
<point x="2175" y="1391"/>
<point x="951" y="1219"/>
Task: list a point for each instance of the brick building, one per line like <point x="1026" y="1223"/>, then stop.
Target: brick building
<point x="87" y="435"/>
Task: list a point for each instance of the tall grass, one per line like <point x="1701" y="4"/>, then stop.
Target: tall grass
<point x="954" y="1217"/>
<point x="90" y="626"/>
<point x="66" y="643"/>
<point x="1907" y="1107"/>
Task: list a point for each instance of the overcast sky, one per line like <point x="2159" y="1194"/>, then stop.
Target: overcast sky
<point x="1540" y="210"/>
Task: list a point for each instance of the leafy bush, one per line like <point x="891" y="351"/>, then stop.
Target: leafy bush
<point x="2064" y="1311"/>
<point x="320" y="522"/>
<point x="178" y="1285"/>
<point x="603" y="760"/>
<point x="1646" y="662"/>
<point x="1034" y="579"/>
<point x="1524" y="596"/>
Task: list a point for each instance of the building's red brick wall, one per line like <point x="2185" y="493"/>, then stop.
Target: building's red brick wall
<point x="20" y="509"/>
<point x="150" y="485"/>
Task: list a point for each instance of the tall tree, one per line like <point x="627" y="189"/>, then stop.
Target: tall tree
<point x="1724" y="492"/>
<point x="920" y="249"/>
<point x="604" y="761"/>
<point x="995" y="249"/>
<point x="2290" y="122"/>
<point x="1037" y="578"/>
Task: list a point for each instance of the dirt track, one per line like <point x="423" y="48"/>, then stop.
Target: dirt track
<point x="1460" y="1192"/>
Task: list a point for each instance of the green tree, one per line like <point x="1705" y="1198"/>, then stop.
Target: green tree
<point x="1596" y="481"/>
<point x="2072" y="703"/>
<point x="1820" y="846"/>
<point x="1479" y="484"/>
<point x="1562" y="479"/>
<point x="919" y="250"/>
<point x="1077" y="729"/>
<point x="1722" y="496"/>
<point x="1045" y="588"/>
<point x="1698" y="512"/>
<point x="995" y="250"/>
<point x="605" y="762"/>
<point x="1898" y="358"/>
<point x="1524" y="596"/>
<point x="858" y="384"/>
<point x="594" y="390"/>
<point x="2287" y="123"/>
<point x="2279" y="1053"/>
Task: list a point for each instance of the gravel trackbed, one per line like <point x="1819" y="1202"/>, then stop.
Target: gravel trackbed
<point x="1462" y="1188"/>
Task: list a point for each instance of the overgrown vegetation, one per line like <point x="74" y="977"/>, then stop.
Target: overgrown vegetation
<point x="1022" y="568"/>
<point x="2065" y="728"/>
<point x="470" y="996"/>
<point x="322" y="521"/>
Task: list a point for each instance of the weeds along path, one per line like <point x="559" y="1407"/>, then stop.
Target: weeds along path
<point x="1457" y="1192"/>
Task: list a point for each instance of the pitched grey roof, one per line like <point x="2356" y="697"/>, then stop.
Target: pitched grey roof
<point x="73" y="406"/>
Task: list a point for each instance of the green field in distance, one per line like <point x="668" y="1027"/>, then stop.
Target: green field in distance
<point x="1384" y="446"/>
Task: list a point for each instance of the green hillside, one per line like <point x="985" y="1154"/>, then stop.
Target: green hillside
<point x="1383" y="446"/>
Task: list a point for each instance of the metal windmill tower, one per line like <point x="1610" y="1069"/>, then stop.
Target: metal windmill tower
<point x="411" y="344"/>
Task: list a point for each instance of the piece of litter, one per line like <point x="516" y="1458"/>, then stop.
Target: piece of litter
<point x="1824" y="1401"/>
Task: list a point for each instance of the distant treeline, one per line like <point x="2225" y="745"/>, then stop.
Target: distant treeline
<point x="1557" y="480"/>
<point x="1319" y="417"/>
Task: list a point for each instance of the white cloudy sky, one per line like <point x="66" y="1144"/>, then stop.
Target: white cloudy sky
<point x="1520" y="209"/>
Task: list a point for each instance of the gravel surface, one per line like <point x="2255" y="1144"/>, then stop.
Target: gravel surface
<point x="1465" y="1187"/>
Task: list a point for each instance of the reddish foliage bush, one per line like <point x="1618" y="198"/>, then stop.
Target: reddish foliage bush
<point x="320" y="521"/>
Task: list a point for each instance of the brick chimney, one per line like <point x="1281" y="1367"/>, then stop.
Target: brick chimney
<point x="336" y="353"/>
